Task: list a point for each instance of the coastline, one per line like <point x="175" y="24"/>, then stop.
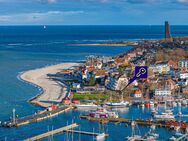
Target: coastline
<point x="52" y="91"/>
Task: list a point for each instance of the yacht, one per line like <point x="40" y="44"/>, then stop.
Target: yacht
<point x="119" y="104"/>
<point x="86" y="106"/>
<point x="103" y="113"/>
<point x="167" y="115"/>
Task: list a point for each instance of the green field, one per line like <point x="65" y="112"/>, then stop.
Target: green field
<point x="90" y="96"/>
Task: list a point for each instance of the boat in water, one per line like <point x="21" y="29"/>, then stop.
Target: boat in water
<point x="133" y="137"/>
<point x="103" y="113"/>
<point x="149" y="136"/>
<point x="166" y="115"/>
<point x="100" y="137"/>
<point x="118" y="104"/>
<point x="87" y="106"/>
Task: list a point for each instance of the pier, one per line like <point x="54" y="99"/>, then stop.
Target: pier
<point x="56" y="131"/>
<point x="68" y="128"/>
<point x="149" y="122"/>
<point x="42" y="115"/>
<point x="84" y="132"/>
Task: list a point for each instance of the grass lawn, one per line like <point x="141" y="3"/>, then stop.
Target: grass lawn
<point x="90" y="96"/>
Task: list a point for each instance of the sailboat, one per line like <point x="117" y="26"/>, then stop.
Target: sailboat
<point x="134" y="137"/>
<point x="100" y="137"/>
<point x="166" y="115"/>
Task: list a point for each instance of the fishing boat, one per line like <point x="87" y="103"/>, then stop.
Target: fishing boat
<point x="103" y="113"/>
<point x="118" y="105"/>
<point x="166" y="115"/>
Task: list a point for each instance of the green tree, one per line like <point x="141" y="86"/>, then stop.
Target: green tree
<point x="92" y="81"/>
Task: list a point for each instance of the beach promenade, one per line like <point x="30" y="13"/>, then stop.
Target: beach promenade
<point x="53" y="91"/>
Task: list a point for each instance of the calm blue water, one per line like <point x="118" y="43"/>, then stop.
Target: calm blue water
<point x="28" y="47"/>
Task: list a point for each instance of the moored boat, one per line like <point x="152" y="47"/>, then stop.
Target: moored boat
<point x="167" y="115"/>
<point x="118" y="104"/>
<point x="103" y="113"/>
<point x="86" y="106"/>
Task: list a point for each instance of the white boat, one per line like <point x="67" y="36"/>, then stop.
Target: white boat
<point x="103" y="113"/>
<point x="100" y="137"/>
<point x="134" y="137"/>
<point x="179" y="104"/>
<point x="118" y="104"/>
<point x="151" y="104"/>
<point x="86" y="106"/>
<point x="184" y="102"/>
<point x="174" y="104"/>
<point x="167" y="115"/>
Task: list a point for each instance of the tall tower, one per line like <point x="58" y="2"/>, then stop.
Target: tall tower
<point x="167" y="30"/>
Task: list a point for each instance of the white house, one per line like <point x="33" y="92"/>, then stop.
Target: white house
<point x="162" y="92"/>
<point x="183" y="63"/>
<point x="117" y="83"/>
<point x="182" y="75"/>
<point x="160" y="68"/>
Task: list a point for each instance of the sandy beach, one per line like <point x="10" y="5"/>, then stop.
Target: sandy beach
<point x="53" y="91"/>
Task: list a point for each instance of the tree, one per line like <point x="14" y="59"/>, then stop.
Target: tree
<point x="92" y="81"/>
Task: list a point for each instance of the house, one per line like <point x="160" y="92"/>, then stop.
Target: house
<point x="116" y="82"/>
<point x="99" y="73"/>
<point x="173" y="64"/>
<point x="137" y="94"/>
<point x="76" y="85"/>
<point x="163" y="94"/>
<point x="183" y="82"/>
<point x="66" y="101"/>
<point x="160" y="68"/>
<point x="183" y="65"/>
<point x="182" y="75"/>
<point x="170" y="84"/>
<point x="185" y="90"/>
<point x="132" y="54"/>
<point x="76" y="101"/>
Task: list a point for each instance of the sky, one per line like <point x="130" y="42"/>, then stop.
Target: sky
<point x="93" y="12"/>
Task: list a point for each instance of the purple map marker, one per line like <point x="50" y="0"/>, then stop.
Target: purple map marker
<point x="140" y="72"/>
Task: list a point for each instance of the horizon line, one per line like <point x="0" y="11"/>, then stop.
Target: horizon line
<point x="92" y="25"/>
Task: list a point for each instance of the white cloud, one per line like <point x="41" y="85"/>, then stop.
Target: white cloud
<point x="47" y="1"/>
<point x="4" y="18"/>
<point x="37" y="16"/>
<point x="182" y="1"/>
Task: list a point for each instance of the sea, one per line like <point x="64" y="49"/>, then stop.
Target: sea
<point x="28" y="47"/>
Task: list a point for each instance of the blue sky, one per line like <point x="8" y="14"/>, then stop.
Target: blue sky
<point x="93" y="12"/>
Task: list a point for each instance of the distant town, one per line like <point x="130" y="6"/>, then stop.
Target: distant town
<point x="104" y="78"/>
<point x="99" y="84"/>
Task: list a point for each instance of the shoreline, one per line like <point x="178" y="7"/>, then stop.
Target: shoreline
<point x="50" y="90"/>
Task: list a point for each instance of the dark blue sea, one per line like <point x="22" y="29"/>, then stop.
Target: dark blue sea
<point x="28" y="47"/>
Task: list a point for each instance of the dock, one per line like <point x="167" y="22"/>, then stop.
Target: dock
<point x="56" y="131"/>
<point x="42" y="115"/>
<point x="85" y="133"/>
<point x="144" y="122"/>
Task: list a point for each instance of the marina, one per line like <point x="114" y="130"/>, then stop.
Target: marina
<point x="161" y="124"/>
<point x="51" y="133"/>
